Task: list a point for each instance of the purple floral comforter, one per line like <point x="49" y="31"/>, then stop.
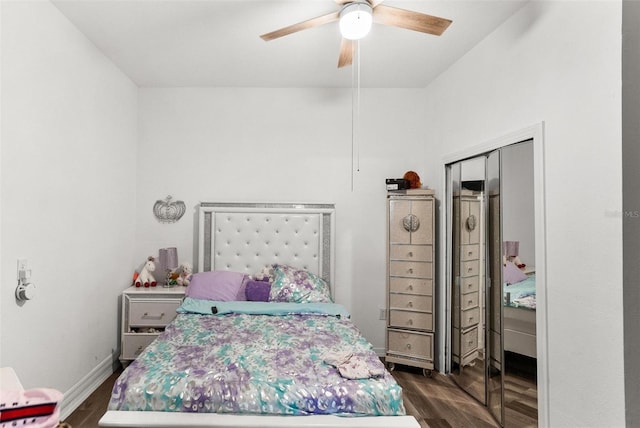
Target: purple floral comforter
<point x="253" y="363"/>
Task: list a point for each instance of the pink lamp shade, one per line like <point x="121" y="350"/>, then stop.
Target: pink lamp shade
<point x="511" y="248"/>
<point x="168" y="261"/>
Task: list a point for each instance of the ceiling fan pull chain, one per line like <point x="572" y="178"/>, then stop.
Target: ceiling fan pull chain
<point x="358" y="132"/>
<point x="353" y="120"/>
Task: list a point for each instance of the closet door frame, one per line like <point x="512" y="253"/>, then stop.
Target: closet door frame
<point x="535" y="133"/>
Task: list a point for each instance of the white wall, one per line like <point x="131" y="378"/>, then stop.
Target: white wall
<point x="631" y="194"/>
<point x="556" y="62"/>
<point x="282" y="145"/>
<point x="517" y="199"/>
<point x="68" y="200"/>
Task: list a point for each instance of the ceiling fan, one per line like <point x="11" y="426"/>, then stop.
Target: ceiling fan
<point x="356" y="17"/>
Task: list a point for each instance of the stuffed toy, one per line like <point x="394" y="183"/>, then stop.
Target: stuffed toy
<point x="146" y="276"/>
<point x="413" y="178"/>
<point x="186" y="270"/>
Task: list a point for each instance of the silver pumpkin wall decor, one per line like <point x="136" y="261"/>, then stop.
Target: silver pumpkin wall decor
<point x="169" y="211"/>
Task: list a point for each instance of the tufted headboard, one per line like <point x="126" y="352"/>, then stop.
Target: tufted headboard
<point x="245" y="237"/>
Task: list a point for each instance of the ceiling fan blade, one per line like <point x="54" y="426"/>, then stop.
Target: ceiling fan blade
<point x="346" y="52"/>
<point x="313" y="22"/>
<point x="410" y="20"/>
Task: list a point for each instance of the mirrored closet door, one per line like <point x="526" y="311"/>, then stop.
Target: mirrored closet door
<point x="490" y="257"/>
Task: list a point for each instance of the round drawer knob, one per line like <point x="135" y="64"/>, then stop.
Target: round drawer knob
<point x="410" y="287"/>
<point x="410" y="254"/>
<point x="408" y="346"/>
<point x="410" y="305"/>
<point x="411" y="223"/>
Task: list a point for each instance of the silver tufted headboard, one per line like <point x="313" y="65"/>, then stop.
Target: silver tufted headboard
<point x="245" y="237"/>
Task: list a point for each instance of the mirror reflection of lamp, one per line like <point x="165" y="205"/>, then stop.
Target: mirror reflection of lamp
<point x="511" y="250"/>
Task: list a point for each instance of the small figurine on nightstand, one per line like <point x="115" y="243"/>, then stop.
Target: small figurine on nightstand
<point x="171" y="278"/>
<point x="146" y="277"/>
<point x="186" y="270"/>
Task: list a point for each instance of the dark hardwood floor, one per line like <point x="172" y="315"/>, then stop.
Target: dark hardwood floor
<point x="436" y="402"/>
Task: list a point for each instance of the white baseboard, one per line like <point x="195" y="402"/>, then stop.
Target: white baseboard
<point x="79" y="392"/>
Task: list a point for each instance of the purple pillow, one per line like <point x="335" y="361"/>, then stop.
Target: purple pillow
<point x="512" y="274"/>
<point x="258" y="291"/>
<point x="225" y="286"/>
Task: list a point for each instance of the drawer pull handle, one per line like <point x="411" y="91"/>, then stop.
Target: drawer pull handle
<point x="470" y="302"/>
<point x="469" y="269"/>
<point x="410" y="305"/>
<point x="410" y="254"/>
<point x="408" y="346"/>
<point x="410" y="322"/>
<point x="410" y="287"/>
<point x="410" y="270"/>
<point x="411" y="223"/>
<point x="470" y="252"/>
<point x="146" y="315"/>
<point x="470" y="319"/>
<point x="470" y="342"/>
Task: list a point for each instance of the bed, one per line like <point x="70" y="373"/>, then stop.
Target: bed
<point x="295" y="359"/>
<point x="520" y="316"/>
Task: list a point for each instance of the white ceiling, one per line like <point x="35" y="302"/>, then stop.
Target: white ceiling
<point x="175" y="43"/>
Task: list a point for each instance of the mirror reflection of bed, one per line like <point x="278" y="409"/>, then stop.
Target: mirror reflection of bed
<point x="491" y="274"/>
<point x="519" y="286"/>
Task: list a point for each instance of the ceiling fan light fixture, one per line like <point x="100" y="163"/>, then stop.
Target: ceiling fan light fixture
<point x="355" y="20"/>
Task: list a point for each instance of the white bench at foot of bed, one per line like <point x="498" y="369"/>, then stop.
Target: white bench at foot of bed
<point x="123" y="419"/>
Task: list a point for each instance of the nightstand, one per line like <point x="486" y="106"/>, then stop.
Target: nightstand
<point x="145" y="314"/>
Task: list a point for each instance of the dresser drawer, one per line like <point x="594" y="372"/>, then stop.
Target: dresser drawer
<point x="410" y="285"/>
<point x="469" y="284"/>
<point x="466" y="318"/>
<point x="411" y="344"/>
<point x="422" y="253"/>
<point x="470" y="268"/>
<point x="152" y="313"/>
<point x="469" y="252"/>
<point x="411" y="269"/>
<point x="468" y="341"/>
<point x="410" y="319"/>
<point x="411" y="302"/>
<point x="469" y="300"/>
<point x="134" y="344"/>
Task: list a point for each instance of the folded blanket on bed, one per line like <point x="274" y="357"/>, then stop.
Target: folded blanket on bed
<point x="528" y="301"/>
<point x="214" y="307"/>
<point x="354" y="366"/>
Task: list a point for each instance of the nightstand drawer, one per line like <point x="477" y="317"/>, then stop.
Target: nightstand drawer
<point x="411" y="269"/>
<point x="411" y="302"/>
<point x="412" y="344"/>
<point x="410" y="319"/>
<point x="134" y="344"/>
<point x="411" y="286"/>
<point x="422" y="253"/>
<point x="152" y="313"/>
